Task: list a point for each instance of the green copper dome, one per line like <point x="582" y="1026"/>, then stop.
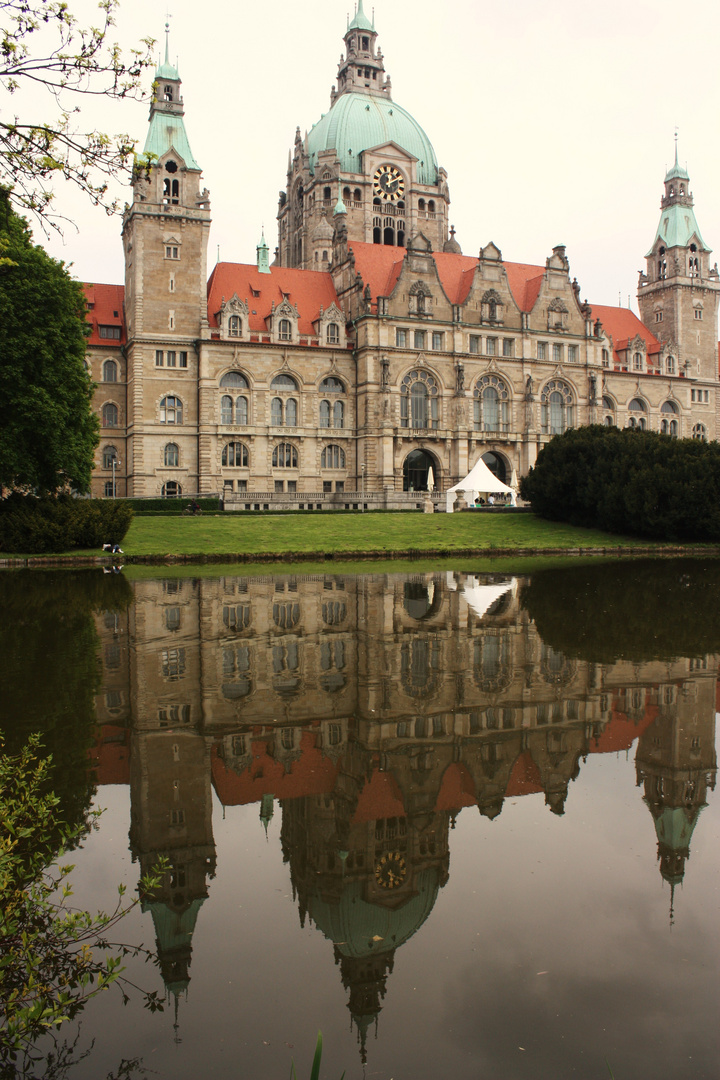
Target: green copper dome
<point x="359" y="928"/>
<point x="361" y="21"/>
<point x="359" y="122"/>
<point x="677" y="228"/>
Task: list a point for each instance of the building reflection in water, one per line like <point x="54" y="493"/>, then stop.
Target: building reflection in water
<point x="373" y="709"/>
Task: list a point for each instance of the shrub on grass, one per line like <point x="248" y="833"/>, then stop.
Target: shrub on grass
<point x="635" y="482"/>
<point x="33" y="526"/>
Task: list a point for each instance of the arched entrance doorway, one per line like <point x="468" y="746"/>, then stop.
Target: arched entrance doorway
<point x="497" y="466"/>
<point x="415" y="471"/>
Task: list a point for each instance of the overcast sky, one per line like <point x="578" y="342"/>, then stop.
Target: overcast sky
<point x="555" y="120"/>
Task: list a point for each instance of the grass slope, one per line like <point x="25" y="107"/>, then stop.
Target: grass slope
<point x="346" y="534"/>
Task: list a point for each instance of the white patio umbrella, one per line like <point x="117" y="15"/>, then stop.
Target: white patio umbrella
<point x="431" y="479"/>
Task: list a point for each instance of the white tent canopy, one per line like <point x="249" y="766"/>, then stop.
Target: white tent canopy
<point x="479" y="481"/>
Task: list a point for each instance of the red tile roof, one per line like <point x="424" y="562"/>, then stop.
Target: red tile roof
<point x="308" y="290"/>
<point x="621" y="732"/>
<point x="380" y="267"/>
<point x="525" y="776"/>
<point x="312" y="774"/>
<point x="380" y="798"/>
<point x="105" y="308"/>
<point x="457" y="788"/>
<point x="623" y="325"/>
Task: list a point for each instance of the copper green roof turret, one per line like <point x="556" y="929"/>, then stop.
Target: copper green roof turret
<point x="361" y="21"/>
<point x="167" y="127"/>
<point x="167" y="70"/>
<point x="263" y="265"/>
<point x="678" y="227"/>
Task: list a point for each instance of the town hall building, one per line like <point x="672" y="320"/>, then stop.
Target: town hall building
<point x="370" y="350"/>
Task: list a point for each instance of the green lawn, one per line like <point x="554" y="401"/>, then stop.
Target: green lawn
<point x="344" y="533"/>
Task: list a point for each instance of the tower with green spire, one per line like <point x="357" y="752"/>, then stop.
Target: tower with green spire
<point x="678" y="292"/>
<point x="165" y="234"/>
<point x="368" y="152"/>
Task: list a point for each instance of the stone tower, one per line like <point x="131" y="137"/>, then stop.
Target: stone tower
<point x="678" y="293"/>
<point x="165" y="234"/>
<point x="367" y="153"/>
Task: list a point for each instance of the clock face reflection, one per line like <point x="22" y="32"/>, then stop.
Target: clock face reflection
<point x="391" y="870"/>
<point x="389" y="183"/>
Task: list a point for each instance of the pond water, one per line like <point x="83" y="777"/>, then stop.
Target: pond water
<point x="464" y="823"/>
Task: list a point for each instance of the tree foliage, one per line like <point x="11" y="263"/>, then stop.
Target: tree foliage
<point x="48" y="432"/>
<point x="43" y="46"/>
<point x="634" y="609"/>
<point x="53" y="957"/>
<point x="634" y="482"/>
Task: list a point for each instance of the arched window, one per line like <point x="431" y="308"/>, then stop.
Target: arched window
<point x="339" y="414"/>
<point x="171" y="191"/>
<point x="333" y="334"/>
<point x="110" y="454"/>
<point x="346" y="194"/>
<point x="637" y="361"/>
<point x="241" y="410"/>
<point x="171" y="489"/>
<point x="285" y="456"/>
<point x="171" y="410"/>
<point x="421" y="205"/>
<point x="605" y="358"/>
<point x="276" y="412"/>
<point x="668" y="422"/>
<point x="419" y="400"/>
<point x="283" y="382"/>
<point x="357" y="195"/>
<point x="609" y="410"/>
<point x="556" y="407"/>
<point x="110" y="415"/>
<point x="491" y="405"/>
<point x="285" y="330"/>
<point x="324" y="414"/>
<point x="331" y="385"/>
<point x="234" y="378"/>
<point x="662" y="265"/>
<point x="291" y="412"/>
<point x="235" y="326"/>
<point x="172" y="455"/>
<point x="332" y="457"/>
<point x="700" y="432"/>
<point x="235" y="453"/>
<point x="226" y="409"/>
<point x="109" y="371"/>
<point x="637" y="409"/>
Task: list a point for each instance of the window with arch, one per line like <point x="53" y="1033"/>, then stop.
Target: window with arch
<point x="605" y="358"/>
<point x="609" y="411"/>
<point x="171" y="489"/>
<point x="332" y="457"/>
<point x="235" y="326"/>
<point x="171" y="190"/>
<point x="285" y="330"/>
<point x="109" y="455"/>
<point x="671" y="365"/>
<point x="420" y="666"/>
<point x="557" y="412"/>
<point x="171" y="410"/>
<point x="637" y="361"/>
<point x="693" y="262"/>
<point x="235" y="454"/>
<point x="327" y="193"/>
<point x="662" y="265"/>
<point x="110" y="415"/>
<point x="357" y="195"/>
<point x="333" y="334"/>
<point x="110" y="371"/>
<point x="171" y="455"/>
<point x="419" y="400"/>
<point x="491" y="404"/>
<point x="700" y="432"/>
<point x="638" y="414"/>
<point x="285" y="456"/>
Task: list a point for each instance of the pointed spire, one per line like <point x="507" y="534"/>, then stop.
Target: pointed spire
<point x="340" y="207"/>
<point x="263" y="265"/>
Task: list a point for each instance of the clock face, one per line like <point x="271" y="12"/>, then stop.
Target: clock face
<point x="389" y="183"/>
<point x="391" y="870"/>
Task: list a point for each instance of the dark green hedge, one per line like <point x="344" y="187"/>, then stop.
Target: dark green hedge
<point x="33" y="526"/>
<point x="633" y="482"/>
<point x="143" y="506"/>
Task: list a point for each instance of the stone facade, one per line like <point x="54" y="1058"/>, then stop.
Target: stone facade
<point x="372" y="349"/>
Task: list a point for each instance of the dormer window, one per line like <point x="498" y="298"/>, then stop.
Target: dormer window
<point x="285" y="330"/>
<point x="637" y="361"/>
<point x="235" y="326"/>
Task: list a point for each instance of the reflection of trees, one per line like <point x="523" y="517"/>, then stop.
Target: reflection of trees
<point x="51" y="670"/>
<point x="638" y="610"/>
<point x="420" y="666"/>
